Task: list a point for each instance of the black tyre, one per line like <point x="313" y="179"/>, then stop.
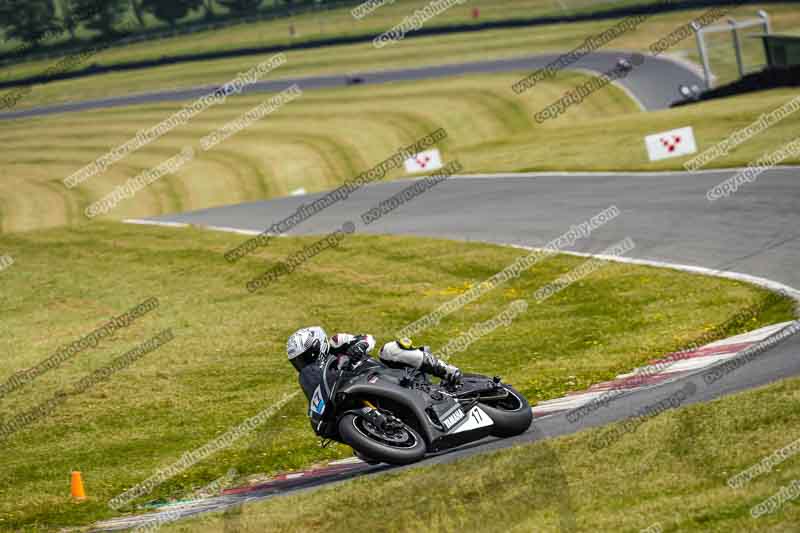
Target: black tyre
<point x="511" y="416"/>
<point x="401" y="447"/>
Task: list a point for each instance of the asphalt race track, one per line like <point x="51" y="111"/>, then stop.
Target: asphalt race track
<point x="755" y="231"/>
<point x="655" y="83"/>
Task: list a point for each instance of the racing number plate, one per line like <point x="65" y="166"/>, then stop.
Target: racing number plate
<point x="476" y="418"/>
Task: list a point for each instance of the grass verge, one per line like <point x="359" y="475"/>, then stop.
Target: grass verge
<point x="227" y="361"/>
<point x="315" y="142"/>
<point x="616" y="142"/>
<point x="409" y="53"/>
<point x="325" y="23"/>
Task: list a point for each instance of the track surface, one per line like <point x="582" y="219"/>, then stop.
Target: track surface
<point x="654" y="83"/>
<point x="756" y="231"/>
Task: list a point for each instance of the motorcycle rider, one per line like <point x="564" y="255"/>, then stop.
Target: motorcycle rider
<point x="309" y="348"/>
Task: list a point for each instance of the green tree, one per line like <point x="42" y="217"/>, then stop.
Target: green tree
<point x="101" y="15"/>
<point x="138" y="11"/>
<point x="208" y="6"/>
<point x="29" y="21"/>
<point x="241" y="6"/>
<point x="69" y="21"/>
<point x="171" y="11"/>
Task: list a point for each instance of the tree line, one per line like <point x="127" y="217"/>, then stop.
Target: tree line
<point x="35" y="21"/>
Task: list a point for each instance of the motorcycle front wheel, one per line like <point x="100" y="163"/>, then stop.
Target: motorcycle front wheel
<point x="511" y="416"/>
<point x="398" y="447"/>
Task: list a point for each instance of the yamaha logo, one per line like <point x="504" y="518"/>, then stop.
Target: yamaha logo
<point x="453" y="419"/>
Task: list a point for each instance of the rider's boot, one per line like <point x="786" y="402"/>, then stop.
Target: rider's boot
<point x="436" y="367"/>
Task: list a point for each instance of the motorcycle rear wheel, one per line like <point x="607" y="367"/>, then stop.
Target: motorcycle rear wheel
<point x="400" y="448"/>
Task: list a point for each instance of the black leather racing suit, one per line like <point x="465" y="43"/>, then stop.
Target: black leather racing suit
<point x="344" y="346"/>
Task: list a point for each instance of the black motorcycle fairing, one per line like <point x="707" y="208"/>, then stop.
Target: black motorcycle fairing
<point x="386" y="389"/>
<point x="412" y="393"/>
<point x="323" y="383"/>
<point x="441" y="415"/>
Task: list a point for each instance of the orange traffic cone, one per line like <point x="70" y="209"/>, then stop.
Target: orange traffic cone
<point x="77" y="487"/>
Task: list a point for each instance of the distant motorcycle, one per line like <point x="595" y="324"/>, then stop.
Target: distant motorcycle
<point x="396" y="416"/>
<point x="353" y="79"/>
<point x="624" y="65"/>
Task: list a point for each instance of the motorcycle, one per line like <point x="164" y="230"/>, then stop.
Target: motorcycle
<point x="397" y="416"/>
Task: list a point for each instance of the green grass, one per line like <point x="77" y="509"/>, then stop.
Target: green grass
<point x="316" y="142"/>
<point x="671" y="472"/>
<point x="329" y="136"/>
<point x="326" y="23"/>
<point x="493" y="44"/>
<point x="227" y="361"/>
<point x="617" y="142"/>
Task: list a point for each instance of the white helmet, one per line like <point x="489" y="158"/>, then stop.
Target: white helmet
<point x="305" y="346"/>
